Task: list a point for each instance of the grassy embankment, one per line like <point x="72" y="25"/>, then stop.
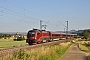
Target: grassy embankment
<point x="7" y="43"/>
<point x="43" y="53"/>
<point x="85" y="46"/>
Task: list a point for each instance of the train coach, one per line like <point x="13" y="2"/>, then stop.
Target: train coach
<point x="35" y="36"/>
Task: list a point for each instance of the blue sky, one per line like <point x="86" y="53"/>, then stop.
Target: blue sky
<point x="23" y="15"/>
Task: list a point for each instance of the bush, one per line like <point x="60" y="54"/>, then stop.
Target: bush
<point x="19" y="39"/>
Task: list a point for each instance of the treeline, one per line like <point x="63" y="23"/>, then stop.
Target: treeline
<point x="5" y="36"/>
<point x="15" y="38"/>
<point x="85" y="34"/>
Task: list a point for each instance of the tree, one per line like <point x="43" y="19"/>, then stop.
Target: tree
<point x="86" y="34"/>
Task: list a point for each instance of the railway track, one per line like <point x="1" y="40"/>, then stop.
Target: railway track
<point x="8" y="51"/>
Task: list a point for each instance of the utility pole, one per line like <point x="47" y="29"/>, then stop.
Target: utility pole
<point x="66" y="26"/>
<point x="41" y="24"/>
<point x="67" y="29"/>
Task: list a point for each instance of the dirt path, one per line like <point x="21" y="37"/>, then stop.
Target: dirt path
<point x="74" y="53"/>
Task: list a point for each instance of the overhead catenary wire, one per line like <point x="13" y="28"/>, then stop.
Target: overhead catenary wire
<point x="20" y="14"/>
<point x="18" y="19"/>
<point x="26" y="10"/>
<point x="2" y="11"/>
<point x="63" y="24"/>
<point x="23" y="15"/>
<point x="20" y="7"/>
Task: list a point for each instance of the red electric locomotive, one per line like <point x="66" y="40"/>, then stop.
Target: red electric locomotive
<point x="37" y="36"/>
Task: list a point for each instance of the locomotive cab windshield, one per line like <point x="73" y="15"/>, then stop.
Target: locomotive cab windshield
<point x="31" y="36"/>
<point x="31" y="33"/>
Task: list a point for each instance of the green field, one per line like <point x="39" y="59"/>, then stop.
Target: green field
<point x="6" y="43"/>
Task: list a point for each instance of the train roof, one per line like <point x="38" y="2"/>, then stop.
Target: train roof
<point x="62" y="33"/>
<point x="43" y="31"/>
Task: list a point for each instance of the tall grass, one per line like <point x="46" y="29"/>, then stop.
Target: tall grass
<point x="53" y="52"/>
<point x="43" y="53"/>
<point x="84" y="46"/>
